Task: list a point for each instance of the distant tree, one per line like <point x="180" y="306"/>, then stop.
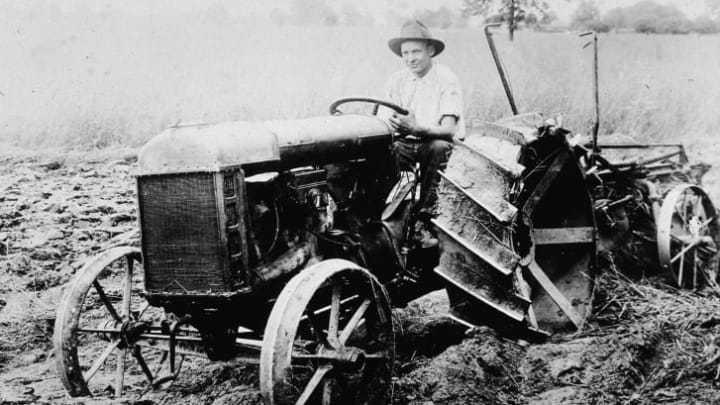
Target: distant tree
<point x="713" y="8"/>
<point x="645" y="25"/>
<point x="548" y="17"/>
<point x="649" y="17"/>
<point x="585" y="15"/>
<point x="672" y="25"/>
<point x="512" y="12"/>
<point x="531" y="20"/>
<point x="598" y="26"/>
<point x="705" y="25"/>
<point x="615" y="18"/>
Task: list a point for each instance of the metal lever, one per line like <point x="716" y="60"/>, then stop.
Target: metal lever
<point x="499" y="65"/>
<point x="596" y="97"/>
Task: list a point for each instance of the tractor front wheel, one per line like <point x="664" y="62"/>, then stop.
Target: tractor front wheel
<point x="329" y="339"/>
<point x="99" y="322"/>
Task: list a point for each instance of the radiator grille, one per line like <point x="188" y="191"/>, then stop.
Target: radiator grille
<point x="181" y="240"/>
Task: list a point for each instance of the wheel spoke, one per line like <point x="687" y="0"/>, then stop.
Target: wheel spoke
<point x="313" y="383"/>
<point x="695" y="267"/>
<point x="143" y="365"/>
<point x="680" y="272"/>
<point x="142" y="310"/>
<point x="705" y="223"/>
<point x="106" y="301"/>
<point x="685" y="249"/>
<point x="382" y="355"/>
<point x="354" y="321"/>
<point x="127" y="295"/>
<point x="334" y="314"/>
<point x="327" y="392"/>
<point x="101" y="360"/>
<point x="120" y="372"/>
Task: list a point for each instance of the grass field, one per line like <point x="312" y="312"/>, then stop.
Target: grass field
<point x="96" y="83"/>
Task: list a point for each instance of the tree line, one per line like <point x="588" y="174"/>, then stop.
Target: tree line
<point x="646" y="17"/>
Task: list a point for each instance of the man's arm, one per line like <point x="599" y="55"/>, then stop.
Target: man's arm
<point x="407" y="125"/>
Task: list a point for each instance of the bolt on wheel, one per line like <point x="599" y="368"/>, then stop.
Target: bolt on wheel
<point x="689" y="237"/>
<point x="329" y="339"/>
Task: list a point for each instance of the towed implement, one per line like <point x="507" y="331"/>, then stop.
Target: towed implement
<point x="287" y="243"/>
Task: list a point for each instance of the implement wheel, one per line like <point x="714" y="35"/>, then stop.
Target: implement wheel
<point x="99" y="320"/>
<point x="688" y="237"/>
<point x="329" y="339"/>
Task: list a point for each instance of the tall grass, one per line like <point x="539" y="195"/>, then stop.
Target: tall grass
<point x="119" y="81"/>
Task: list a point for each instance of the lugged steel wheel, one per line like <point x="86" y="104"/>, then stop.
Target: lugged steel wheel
<point x="329" y="339"/>
<point x="101" y="314"/>
<point x="518" y="243"/>
<point x="558" y="209"/>
<point x="688" y="237"/>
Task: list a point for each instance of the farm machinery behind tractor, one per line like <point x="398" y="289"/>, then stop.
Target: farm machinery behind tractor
<point x="287" y="243"/>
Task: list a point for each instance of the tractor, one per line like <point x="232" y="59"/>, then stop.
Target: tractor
<point x="287" y="244"/>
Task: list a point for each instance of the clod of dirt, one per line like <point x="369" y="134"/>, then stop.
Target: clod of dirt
<point x="563" y="395"/>
<point x="17" y="395"/>
<point x="53" y="164"/>
<point x="482" y="369"/>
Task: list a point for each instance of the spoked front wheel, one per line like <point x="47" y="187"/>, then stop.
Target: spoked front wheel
<point x="99" y="323"/>
<point x="688" y="237"/>
<point x="329" y="339"/>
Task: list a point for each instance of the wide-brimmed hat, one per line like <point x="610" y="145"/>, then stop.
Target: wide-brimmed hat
<point x="415" y="31"/>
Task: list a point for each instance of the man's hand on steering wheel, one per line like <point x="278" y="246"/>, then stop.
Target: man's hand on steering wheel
<point x="404" y="124"/>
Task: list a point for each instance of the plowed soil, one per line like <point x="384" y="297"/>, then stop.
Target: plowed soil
<point x="645" y="343"/>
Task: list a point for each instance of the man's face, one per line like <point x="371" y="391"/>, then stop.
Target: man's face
<point x="417" y="56"/>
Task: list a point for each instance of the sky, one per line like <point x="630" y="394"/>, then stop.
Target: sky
<point x="562" y="8"/>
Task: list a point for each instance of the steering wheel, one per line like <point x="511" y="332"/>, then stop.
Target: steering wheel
<point x="337" y="103"/>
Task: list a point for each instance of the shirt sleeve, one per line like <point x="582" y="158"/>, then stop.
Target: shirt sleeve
<point x="451" y="100"/>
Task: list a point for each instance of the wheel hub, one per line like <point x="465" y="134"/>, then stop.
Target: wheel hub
<point x="347" y="358"/>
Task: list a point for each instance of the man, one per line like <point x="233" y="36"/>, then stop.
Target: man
<point x="431" y="93"/>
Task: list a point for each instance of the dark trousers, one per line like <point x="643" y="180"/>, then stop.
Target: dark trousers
<point x="432" y="156"/>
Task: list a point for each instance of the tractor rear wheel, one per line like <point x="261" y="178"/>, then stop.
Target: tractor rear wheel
<point x="329" y="339"/>
<point x="518" y="242"/>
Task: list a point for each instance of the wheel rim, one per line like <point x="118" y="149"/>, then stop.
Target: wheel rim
<point x="329" y="339"/>
<point x="689" y="237"/>
<point x="99" y="322"/>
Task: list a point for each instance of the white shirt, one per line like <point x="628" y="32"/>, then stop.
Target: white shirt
<point x="430" y="97"/>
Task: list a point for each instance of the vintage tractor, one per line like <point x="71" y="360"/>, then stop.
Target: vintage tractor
<point x="282" y="243"/>
<point x="287" y="243"/>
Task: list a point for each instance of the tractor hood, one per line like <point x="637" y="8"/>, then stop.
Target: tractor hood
<point x="216" y="147"/>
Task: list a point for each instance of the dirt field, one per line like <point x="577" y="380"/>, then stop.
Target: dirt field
<point x="645" y="343"/>
<point x="91" y="83"/>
